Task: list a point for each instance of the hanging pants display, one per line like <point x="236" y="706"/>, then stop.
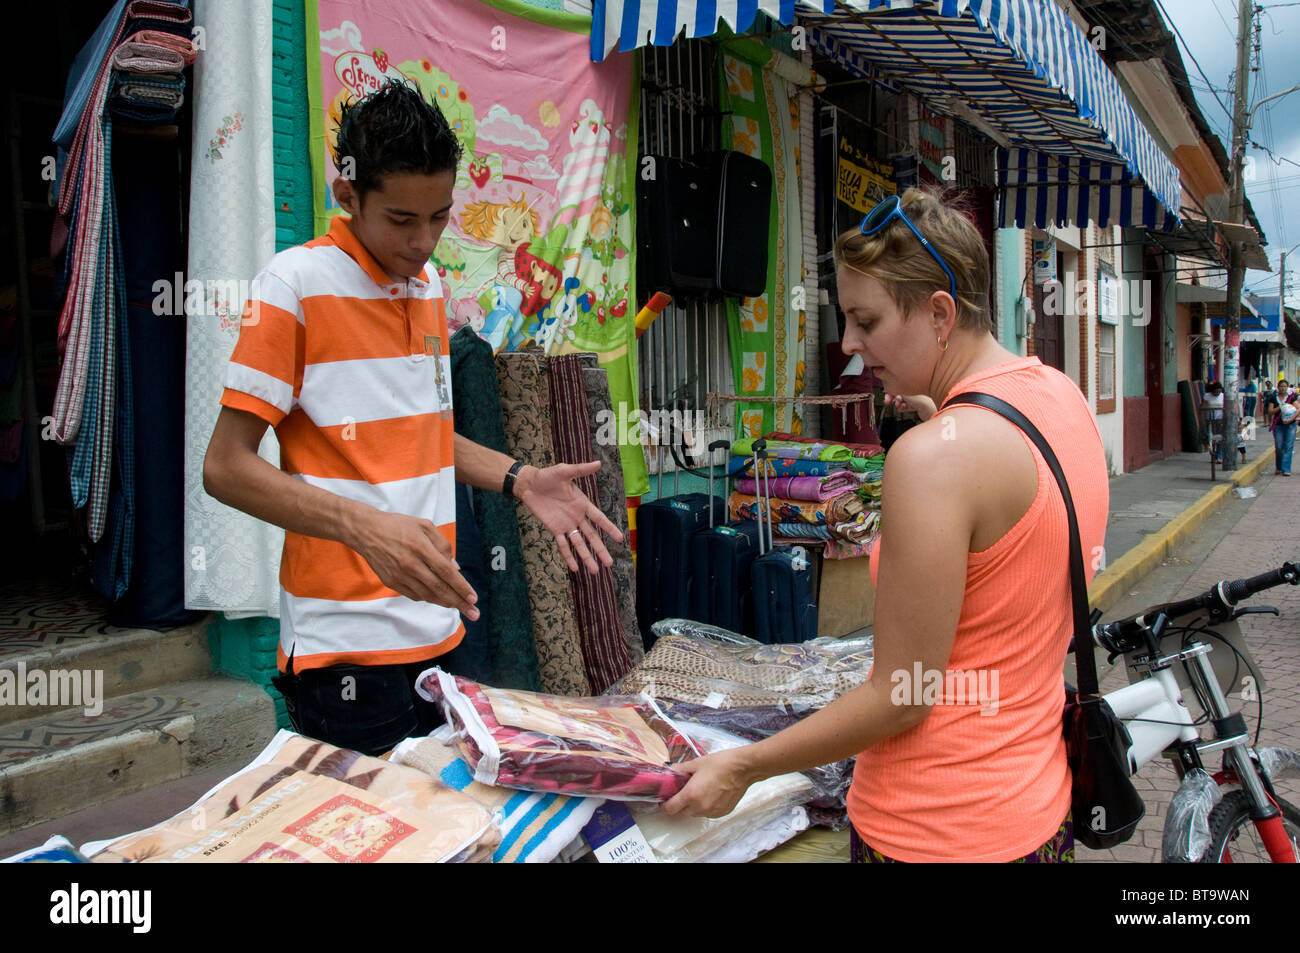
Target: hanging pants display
<point x="526" y="407"/>
<point x="506" y="619"/>
<point x="610" y="487"/>
<point x="604" y="649"/>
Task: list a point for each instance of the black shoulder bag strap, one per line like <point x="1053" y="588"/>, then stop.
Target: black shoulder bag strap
<point x="1085" y="664"/>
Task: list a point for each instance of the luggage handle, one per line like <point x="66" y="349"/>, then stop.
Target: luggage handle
<point x="716" y="445"/>
<point x="759" y="446"/>
<point x="763" y="488"/>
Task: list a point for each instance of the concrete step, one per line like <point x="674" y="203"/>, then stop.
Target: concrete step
<point x="65" y="761"/>
<point x="53" y="670"/>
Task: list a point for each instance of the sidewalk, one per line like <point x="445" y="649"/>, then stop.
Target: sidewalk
<point x="1152" y="513"/>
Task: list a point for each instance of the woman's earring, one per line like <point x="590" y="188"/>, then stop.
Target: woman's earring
<point x="943" y="345"/>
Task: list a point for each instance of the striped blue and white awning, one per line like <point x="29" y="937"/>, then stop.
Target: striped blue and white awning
<point x="1023" y="67"/>
<point x="1042" y="189"/>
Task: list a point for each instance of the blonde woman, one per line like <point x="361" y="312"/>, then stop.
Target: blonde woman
<point x="971" y="571"/>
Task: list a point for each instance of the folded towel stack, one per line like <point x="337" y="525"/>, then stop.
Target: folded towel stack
<point x="820" y="492"/>
<point x="147" y="82"/>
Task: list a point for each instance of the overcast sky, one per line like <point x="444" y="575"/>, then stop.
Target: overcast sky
<point x="1209" y="28"/>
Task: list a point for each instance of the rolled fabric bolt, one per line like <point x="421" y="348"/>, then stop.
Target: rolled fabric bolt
<point x="654" y="307"/>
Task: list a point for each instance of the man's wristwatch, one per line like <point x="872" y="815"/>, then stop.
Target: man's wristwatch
<point x="508" y="487"/>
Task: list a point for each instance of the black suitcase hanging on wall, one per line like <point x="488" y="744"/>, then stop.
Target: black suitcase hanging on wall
<point x="678" y="230"/>
<point x="744" y="214"/>
<point x="704" y="225"/>
<point x="785" y="602"/>
<point x="723" y="558"/>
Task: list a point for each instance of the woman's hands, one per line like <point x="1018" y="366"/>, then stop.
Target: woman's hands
<point x="920" y="403"/>
<point x="718" y="782"/>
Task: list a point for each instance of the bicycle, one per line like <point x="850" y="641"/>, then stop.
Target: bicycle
<point x="1204" y="823"/>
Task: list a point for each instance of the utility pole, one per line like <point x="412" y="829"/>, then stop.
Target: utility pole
<point x="1236" y="254"/>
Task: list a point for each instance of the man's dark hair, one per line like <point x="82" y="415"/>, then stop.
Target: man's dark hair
<point x="393" y="129"/>
<point x="1214" y="387"/>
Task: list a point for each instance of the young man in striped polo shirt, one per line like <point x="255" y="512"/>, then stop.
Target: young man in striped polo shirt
<point x="344" y="350"/>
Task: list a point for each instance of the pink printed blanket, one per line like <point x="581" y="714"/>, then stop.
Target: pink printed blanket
<point x="617" y="747"/>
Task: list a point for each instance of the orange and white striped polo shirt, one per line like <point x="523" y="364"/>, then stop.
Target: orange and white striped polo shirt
<point x="353" y="370"/>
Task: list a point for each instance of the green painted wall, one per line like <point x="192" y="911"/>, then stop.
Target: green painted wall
<point x="1009" y="249"/>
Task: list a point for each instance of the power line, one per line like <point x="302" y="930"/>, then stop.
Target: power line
<point x="1178" y="33"/>
<point x="1231" y="32"/>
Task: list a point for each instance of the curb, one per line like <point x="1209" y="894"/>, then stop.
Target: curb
<point x="1111" y="584"/>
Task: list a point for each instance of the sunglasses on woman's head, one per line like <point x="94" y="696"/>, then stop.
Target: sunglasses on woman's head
<point x="892" y="208"/>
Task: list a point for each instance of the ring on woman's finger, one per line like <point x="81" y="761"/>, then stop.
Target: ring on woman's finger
<point x="574" y="532"/>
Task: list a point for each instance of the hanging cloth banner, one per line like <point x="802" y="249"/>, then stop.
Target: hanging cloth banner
<point x="767" y="332"/>
<point x="540" y="242"/>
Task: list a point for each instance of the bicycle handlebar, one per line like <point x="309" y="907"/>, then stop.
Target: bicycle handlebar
<point x="1126" y="633"/>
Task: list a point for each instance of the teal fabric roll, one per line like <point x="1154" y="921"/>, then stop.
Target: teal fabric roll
<point x="506" y="608"/>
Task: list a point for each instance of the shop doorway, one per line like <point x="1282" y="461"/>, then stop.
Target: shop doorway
<point x="1049" y="333"/>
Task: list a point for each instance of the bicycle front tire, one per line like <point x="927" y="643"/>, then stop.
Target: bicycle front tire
<point x="1233" y="832"/>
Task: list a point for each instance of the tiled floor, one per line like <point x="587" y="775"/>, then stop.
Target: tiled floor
<point x="47" y="615"/>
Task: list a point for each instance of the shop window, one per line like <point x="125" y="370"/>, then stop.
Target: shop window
<point x="1105" y="368"/>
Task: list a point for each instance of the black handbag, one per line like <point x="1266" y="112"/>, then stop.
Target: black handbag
<point x="1105" y="806"/>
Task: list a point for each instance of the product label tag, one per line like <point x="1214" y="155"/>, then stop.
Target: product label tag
<point x="614" y="837"/>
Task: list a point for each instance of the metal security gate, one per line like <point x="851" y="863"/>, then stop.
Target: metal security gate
<point x="685" y="354"/>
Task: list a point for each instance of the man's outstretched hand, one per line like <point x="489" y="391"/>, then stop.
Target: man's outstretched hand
<point x="555" y="499"/>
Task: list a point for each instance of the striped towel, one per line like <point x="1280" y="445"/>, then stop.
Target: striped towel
<point x="815" y="488"/>
<point x="151" y="89"/>
<point x="534" y="827"/>
<point x="134" y="56"/>
<point x="777" y="467"/>
<point x="859" y="449"/>
<point x="794" y="450"/>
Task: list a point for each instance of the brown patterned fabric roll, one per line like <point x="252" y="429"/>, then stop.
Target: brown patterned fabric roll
<point x="604" y="647"/>
<point x="526" y="405"/>
<point x="612" y="493"/>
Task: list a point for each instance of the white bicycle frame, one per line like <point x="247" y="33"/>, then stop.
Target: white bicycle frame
<point x="1143" y="706"/>
<point x="1156" y="716"/>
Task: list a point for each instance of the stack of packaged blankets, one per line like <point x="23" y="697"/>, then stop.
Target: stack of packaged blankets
<point x="304" y="801"/>
<point x="816" y="492"/>
<point x="700" y="675"/>
<point x="519" y="777"/>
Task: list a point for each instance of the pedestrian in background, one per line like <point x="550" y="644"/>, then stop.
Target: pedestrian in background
<point x="1282" y="412"/>
<point x="1266" y="393"/>
<point x="1248" y="390"/>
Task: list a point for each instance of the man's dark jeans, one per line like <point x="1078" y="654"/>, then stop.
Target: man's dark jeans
<point x="367" y="708"/>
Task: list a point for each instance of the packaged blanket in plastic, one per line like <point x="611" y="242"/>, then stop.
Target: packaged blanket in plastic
<point x="827" y="800"/>
<point x="769" y="808"/>
<point x="535" y="828"/>
<point x="617" y="746"/>
<point x="304" y="801"/>
<point x="705" y="665"/>
<point x="57" y="850"/>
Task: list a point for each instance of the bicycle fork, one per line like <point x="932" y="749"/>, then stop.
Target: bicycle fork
<point x="1230" y="737"/>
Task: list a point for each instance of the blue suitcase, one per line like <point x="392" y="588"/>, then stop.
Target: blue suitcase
<point x="723" y="559"/>
<point x="665" y="529"/>
<point x="785" y="601"/>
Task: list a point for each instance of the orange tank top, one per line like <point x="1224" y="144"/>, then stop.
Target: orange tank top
<point x="984" y="777"/>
